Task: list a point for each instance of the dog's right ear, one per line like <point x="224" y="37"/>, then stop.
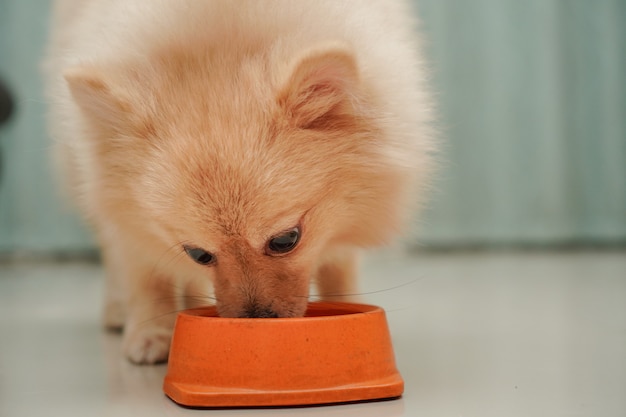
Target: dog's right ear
<point x="321" y="85"/>
<point x="98" y="99"/>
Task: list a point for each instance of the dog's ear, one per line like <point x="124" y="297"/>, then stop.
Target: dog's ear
<point x="98" y="99"/>
<point x="321" y="86"/>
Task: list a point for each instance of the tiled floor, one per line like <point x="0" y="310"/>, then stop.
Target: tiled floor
<point x="505" y="334"/>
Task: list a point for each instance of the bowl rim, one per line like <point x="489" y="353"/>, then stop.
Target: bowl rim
<point x="342" y="310"/>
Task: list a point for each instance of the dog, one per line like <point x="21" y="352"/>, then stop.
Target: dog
<point x="243" y="149"/>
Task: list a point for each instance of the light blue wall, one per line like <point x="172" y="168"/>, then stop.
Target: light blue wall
<point x="533" y="112"/>
<point x="533" y="104"/>
<point x="32" y="217"/>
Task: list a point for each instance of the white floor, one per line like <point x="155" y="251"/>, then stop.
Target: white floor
<point x="506" y="334"/>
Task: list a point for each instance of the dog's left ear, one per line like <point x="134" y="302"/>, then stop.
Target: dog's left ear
<point x="98" y="99"/>
<point x="320" y="86"/>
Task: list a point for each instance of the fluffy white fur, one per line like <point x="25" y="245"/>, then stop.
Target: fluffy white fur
<point x="211" y="122"/>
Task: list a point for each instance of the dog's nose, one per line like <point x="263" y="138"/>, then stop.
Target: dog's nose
<point x="258" y="311"/>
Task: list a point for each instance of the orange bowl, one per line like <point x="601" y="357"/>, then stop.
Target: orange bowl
<point x="338" y="352"/>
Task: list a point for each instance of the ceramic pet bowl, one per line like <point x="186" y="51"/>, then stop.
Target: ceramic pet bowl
<point x="338" y="352"/>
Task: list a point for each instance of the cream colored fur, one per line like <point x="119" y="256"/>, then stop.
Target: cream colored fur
<point x="218" y="124"/>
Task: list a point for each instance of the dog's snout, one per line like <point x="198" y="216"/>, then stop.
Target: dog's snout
<point x="258" y="311"/>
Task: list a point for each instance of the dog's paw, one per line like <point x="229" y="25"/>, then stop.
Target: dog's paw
<point x="147" y="345"/>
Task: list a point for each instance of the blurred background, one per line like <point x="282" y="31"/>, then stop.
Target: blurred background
<point x="532" y="104"/>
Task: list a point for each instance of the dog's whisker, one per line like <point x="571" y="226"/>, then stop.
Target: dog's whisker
<point x="160" y="316"/>
<point x="382" y="290"/>
<point x="166" y="253"/>
<point x="183" y="298"/>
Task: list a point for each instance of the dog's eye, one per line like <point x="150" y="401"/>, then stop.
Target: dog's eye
<point x="200" y="255"/>
<point x="284" y="242"/>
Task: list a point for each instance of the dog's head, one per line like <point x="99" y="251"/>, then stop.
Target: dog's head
<point x="253" y="165"/>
